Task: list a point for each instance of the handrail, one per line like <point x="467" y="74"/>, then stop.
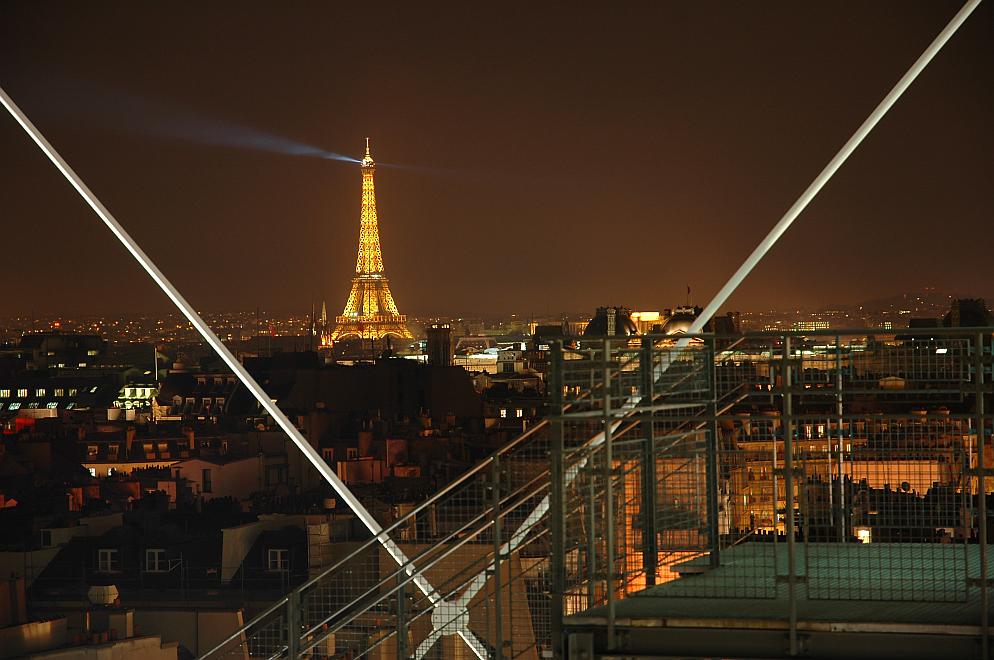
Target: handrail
<point x="448" y="551"/>
<point x="256" y="619"/>
<point x="457" y="533"/>
<point x="461" y="479"/>
<point x="476" y="470"/>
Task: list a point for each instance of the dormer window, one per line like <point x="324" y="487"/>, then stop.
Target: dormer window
<point x="155" y="560"/>
<point x="108" y="560"/>
<point x="278" y="560"/>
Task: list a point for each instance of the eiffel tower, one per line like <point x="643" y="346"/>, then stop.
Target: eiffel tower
<point x="370" y="312"/>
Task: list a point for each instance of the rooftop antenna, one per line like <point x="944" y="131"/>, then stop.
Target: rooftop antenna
<point x="310" y="340"/>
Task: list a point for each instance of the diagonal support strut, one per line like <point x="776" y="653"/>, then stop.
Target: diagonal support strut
<point x="368" y="520"/>
<point x="215" y="343"/>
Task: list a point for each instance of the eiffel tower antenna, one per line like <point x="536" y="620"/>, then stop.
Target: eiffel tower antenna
<point x="370" y="312"/>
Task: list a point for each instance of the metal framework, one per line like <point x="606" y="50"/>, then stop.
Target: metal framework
<point x="371" y="300"/>
<point x="370" y="312"/>
<point x="382" y="539"/>
<point x="773" y="491"/>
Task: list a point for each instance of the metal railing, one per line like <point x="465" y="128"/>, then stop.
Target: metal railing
<point x="491" y="521"/>
<point x="721" y="421"/>
<point x="820" y="466"/>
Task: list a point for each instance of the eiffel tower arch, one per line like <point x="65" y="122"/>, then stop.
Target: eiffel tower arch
<point x="370" y="312"/>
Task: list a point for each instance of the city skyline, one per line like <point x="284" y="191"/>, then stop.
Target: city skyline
<point x="538" y="428"/>
<point x="486" y="190"/>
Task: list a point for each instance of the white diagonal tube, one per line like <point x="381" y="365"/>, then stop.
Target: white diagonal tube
<point x="212" y="339"/>
<point x="743" y="271"/>
<point x="826" y="174"/>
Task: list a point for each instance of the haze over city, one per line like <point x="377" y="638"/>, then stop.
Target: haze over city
<point x="507" y="332"/>
<point x="547" y="161"/>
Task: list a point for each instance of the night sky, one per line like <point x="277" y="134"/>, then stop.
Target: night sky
<point x="550" y="158"/>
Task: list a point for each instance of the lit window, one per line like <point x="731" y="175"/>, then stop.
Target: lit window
<point x="503" y="412"/>
<point x="279" y="559"/>
<point x="155" y="560"/>
<point x="22" y="392"/>
<point x="91" y="352"/>
<point x="82" y="364"/>
<point x="14" y="406"/>
<point x="52" y="405"/>
<point x="519" y="412"/>
<point x="73" y="391"/>
<point x="92" y="471"/>
<point x="107" y="560"/>
<point x="40" y="391"/>
<point x="59" y="392"/>
<point x="4" y="394"/>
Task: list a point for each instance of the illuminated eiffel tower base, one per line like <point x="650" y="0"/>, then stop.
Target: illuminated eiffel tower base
<point x="370" y="312"/>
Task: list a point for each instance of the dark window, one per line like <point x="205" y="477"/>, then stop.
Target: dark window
<point x="108" y="561"/>
<point x="279" y="559"/>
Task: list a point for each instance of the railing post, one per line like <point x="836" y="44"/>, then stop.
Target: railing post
<point x="839" y="506"/>
<point x="711" y="458"/>
<point x="650" y="542"/>
<point x="293" y="624"/>
<point x="495" y="504"/>
<point x="982" y="467"/>
<point x="403" y="653"/>
<point x="608" y="494"/>
<point x="557" y="560"/>
<point x="788" y="474"/>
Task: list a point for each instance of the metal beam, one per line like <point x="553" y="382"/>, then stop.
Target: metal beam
<point x="212" y="340"/>
<point x="826" y="174"/>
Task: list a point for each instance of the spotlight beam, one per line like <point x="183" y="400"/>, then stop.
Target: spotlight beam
<point x="212" y="339"/>
<point x="719" y="299"/>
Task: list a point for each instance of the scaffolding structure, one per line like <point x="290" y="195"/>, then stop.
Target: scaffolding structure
<point x="792" y="480"/>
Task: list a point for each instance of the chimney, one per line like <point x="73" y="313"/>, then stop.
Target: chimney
<point x="129" y="439"/>
<point x="365" y="443"/>
<point x="440" y="344"/>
